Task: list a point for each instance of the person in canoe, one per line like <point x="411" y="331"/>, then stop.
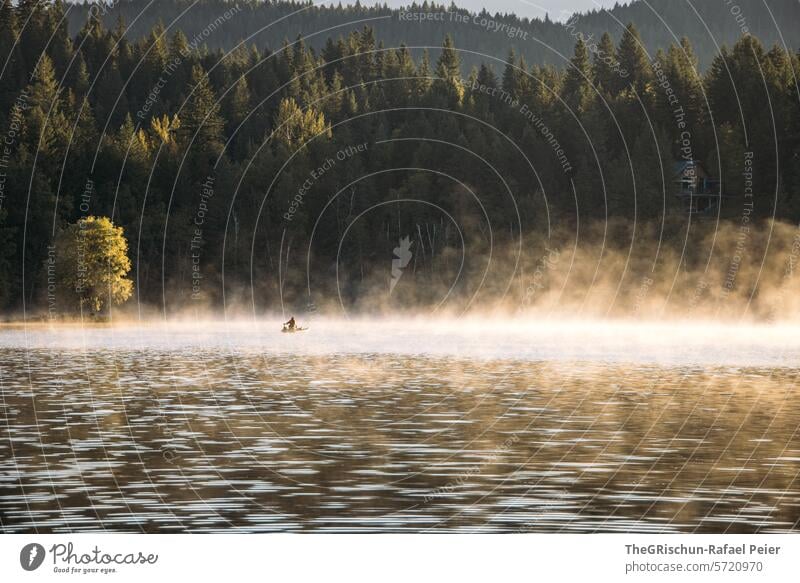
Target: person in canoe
<point x="291" y="326"/>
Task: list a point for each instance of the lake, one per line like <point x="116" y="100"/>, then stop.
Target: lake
<point x="400" y="426"/>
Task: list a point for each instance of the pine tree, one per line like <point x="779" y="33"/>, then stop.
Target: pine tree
<point x="60" y="47"/>
<point x="633" y="60"/>
<point x="365" y="51"/>
<point x="112" y="101"/>
<point x="483" y="101"/>
<point x="95" y="44"/>
<point x="576" y="88"/>
<point x="679" y="66"/>
<point x="201" y="124"/>
<point x="605" y="66"/>
<point x="237" y="106"/>
<point x="448" y="84"/>
<point x="164" y="129"/>
<point x="424" y="76"/>
<point x="34" y="27"/>
<point x="332" y="53"/>
<point x="335" y="97"/>
<point x="13" y="78"/>
<point x="132" y="144"/>
<point x="78" y="77"/>
<point x="405" y="72"/>
<point x="510" y="75"/>
<point x="295" y="127"/>
<point x="156" y="57"/>
<point x="44" y="117"/>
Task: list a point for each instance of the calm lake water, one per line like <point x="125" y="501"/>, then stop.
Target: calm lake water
<point x="392" y="427"/>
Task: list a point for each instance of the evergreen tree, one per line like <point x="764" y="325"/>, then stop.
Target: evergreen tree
<point x="237" y="105"/>
<point x="13" y="76"/>
<point x="111" y="102"/>
<point x="633" y="59"/>
<point x="33" y="25"/>
<point x="576" y="88"/>
<point x="202" y="127"/>
<point x="424" y="76"/>
<point x="60" y="47"/>
<point x="294" y="126"/>
<point x="404" y="73"/>
<point x="448" y="72"/>
<point x="44" y="117"/>
<point x="605" y="66"/>
<point x="510" y="75"/>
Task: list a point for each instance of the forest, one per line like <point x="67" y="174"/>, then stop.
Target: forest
<point x="273" y="170"/>
<point x="708" y="24"/>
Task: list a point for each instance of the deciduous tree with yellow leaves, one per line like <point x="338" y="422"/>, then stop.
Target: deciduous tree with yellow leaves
<point x="92" y="264"/>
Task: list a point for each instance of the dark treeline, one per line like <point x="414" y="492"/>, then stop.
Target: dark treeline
<point x="708" y="24"/>
<point x="221" y="167"/>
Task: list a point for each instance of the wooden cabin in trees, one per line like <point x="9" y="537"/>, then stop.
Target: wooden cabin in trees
<point x="699" y="192"/>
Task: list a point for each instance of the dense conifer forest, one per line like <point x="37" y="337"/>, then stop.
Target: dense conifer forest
<point x="250" y="163"/>
<point x="708" y="24"/>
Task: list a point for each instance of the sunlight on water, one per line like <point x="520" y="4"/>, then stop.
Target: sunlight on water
<point x="671" y="343"/>
<point x="400" y="426"/>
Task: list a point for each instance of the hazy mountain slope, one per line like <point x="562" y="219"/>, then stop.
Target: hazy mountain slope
<point x="707" y="23"/>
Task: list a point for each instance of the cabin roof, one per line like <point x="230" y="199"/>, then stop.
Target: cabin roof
<point x="679" y="168"/>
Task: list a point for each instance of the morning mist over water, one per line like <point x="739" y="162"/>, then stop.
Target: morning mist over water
<point x="277" y="267"/>
<point x="546" y="427"/>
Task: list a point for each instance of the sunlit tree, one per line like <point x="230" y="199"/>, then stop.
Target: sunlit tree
<point x="295" y="126"/>
<point x="92" y="264"/>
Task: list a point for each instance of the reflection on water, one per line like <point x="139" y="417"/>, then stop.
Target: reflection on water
<point x="198" y="436"/>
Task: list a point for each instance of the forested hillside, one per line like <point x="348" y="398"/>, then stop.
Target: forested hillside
<point x="708" y="24"/>
<point x="224" y="168"/>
